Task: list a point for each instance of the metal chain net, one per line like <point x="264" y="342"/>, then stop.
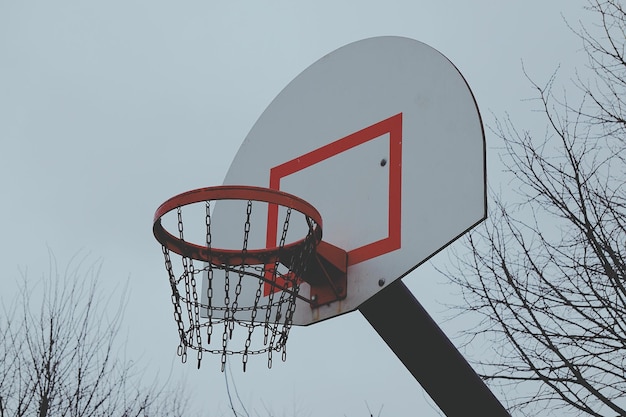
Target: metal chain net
<point x="208" y="322"/>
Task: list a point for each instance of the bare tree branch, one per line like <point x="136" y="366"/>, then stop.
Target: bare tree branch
<point x="547" y="270"/>
<point x="59" y="355"/>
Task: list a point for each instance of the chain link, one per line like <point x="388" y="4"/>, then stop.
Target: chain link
<point x="182" y="348"/>
<point x="209" y="272"/>
<point x="179" y="212"/>
<point x="279" y="305"/>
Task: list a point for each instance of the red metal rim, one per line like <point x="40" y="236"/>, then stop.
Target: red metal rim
<point x="234" y="192"/>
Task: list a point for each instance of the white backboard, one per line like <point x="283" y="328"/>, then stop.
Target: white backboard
<point x="384" y="138"/>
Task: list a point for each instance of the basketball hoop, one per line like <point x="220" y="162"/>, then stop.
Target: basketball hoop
<point x="277" y="270"/>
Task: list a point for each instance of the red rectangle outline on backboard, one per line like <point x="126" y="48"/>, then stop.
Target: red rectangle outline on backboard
<point x="393" y="126"/>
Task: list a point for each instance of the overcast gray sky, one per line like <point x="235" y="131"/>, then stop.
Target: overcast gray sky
<point x="109" y="108"/>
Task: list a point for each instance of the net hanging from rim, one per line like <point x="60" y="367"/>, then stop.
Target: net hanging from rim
<point x="247" y="299"/>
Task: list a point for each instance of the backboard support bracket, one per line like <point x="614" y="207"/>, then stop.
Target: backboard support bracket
<point x="327" y="275"/>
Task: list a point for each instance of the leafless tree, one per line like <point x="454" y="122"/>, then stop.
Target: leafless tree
<point x="59" y="355"/>
<point x="547" y="270"/>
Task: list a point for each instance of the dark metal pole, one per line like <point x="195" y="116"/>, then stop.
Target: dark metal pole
<point x="428" y="354"/>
